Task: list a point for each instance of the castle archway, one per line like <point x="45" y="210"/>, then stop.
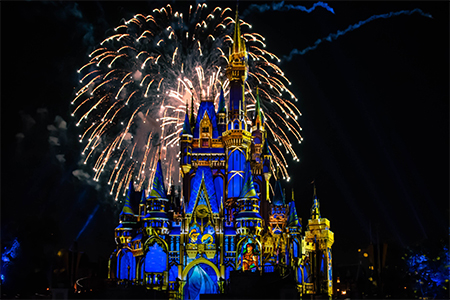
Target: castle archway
<point x="201" y="277"/>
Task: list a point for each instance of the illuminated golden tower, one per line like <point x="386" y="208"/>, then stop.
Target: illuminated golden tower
<point x="317" y="243"/>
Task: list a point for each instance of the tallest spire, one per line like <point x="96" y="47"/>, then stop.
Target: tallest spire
<point x="237" y="66"/>
<point x="238" y="43"/>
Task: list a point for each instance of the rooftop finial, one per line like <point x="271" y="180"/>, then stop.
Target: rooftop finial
<point x="315" y="210"/>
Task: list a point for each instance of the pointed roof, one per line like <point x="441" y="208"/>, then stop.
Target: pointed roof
<point x="315" y="209"/>
<point x="248" y="189"/>
<point x="221" y="108"/>
<point x="186" y="124"/>
<point x="208" y="108"/>
<point x="278" y="198"/>
<point x="293" y="220"/>
<point x="158" y="189"/>
<point x="238" y="43"/>
<point x="143" y="198"/>
<point x="192" y="118"/>
<point x="127" y="210"/>
<point x="204" y="174"/>
<point x="265" y="149"/>
<point x="202" y="196"/>
<point x="257" y="107"/>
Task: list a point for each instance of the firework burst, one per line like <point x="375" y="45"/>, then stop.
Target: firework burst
<point x="135" y="87"/>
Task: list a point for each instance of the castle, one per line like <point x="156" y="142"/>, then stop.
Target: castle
<point x="224" y="220"/>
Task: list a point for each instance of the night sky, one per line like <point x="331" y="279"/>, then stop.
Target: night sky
<point x="375" y="121"/>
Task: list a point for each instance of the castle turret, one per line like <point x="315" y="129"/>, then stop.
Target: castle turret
<point x="236" y="72"/>
<point x="318" y="241"/>
<point x="248" y="219"/>
<point x="127" y="219"/>
<point x="278" y="216"/>
<point x="156" y="217"/>
<point x="237" y="138"/>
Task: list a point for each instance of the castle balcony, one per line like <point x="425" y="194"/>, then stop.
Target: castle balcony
<point x="157" y="281"/>
<point x="208" y="249"/>
<point x="237" y="137"/>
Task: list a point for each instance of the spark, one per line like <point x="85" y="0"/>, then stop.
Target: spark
<point x="148" y="69"/>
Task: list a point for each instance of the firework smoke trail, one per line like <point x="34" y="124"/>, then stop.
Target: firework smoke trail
<point x="135" y="87"/>
<point x="284" y="7"/>
<point x="334" y="36"/>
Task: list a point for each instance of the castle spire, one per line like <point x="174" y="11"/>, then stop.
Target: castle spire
<point x="127" y="210"/>
<point x="158" y="189"/>
<point x="186" y="124"/>
<point x="248" y="189"/>
<point x="238" y="43"/>
<point x="257" y="108"/>
<point x="143" y="198"/>
<point x="293" y="220"/>
<point x="278" y="198"/>
<point x="221" y="108"/>
<point x="315" y="210"/>
<point x="192" y="118"/>
<point x="238" y="60"/>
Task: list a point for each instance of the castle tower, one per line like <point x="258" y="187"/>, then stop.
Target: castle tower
<point x="278" y="214"/>
<point x="249" y="224"/>
<point x="294" y="241"/>
<point x="156" y="220"/>
<point x="318" y="241"/>
<point x="124" y="267"/>
<point x="237" y="138"/>
<point x="127" y="219"/>
<point x="248" y="219"/>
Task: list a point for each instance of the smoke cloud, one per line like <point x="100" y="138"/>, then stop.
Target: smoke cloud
<point x="284" y="7"/>
<point x="334" y="36"/>
<point x="81" y="175"/>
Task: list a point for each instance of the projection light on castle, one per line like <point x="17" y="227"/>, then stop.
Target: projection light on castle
<point x="225" y="220"/>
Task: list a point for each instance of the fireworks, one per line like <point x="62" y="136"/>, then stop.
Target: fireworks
<point x="135" y="87"/>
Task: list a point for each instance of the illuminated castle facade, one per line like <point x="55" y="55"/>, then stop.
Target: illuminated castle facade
<point x="224" y="219"/>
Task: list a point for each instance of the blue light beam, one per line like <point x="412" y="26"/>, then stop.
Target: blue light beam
<point x="284" y="7"/>
<point x="334" y="36"/>
<point x="88" y="221"/>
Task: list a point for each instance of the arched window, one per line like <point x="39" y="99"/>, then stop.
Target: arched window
<point x="155" y="259"/>
<point x="126" y="267"/>
<point x="173" y="273"/>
